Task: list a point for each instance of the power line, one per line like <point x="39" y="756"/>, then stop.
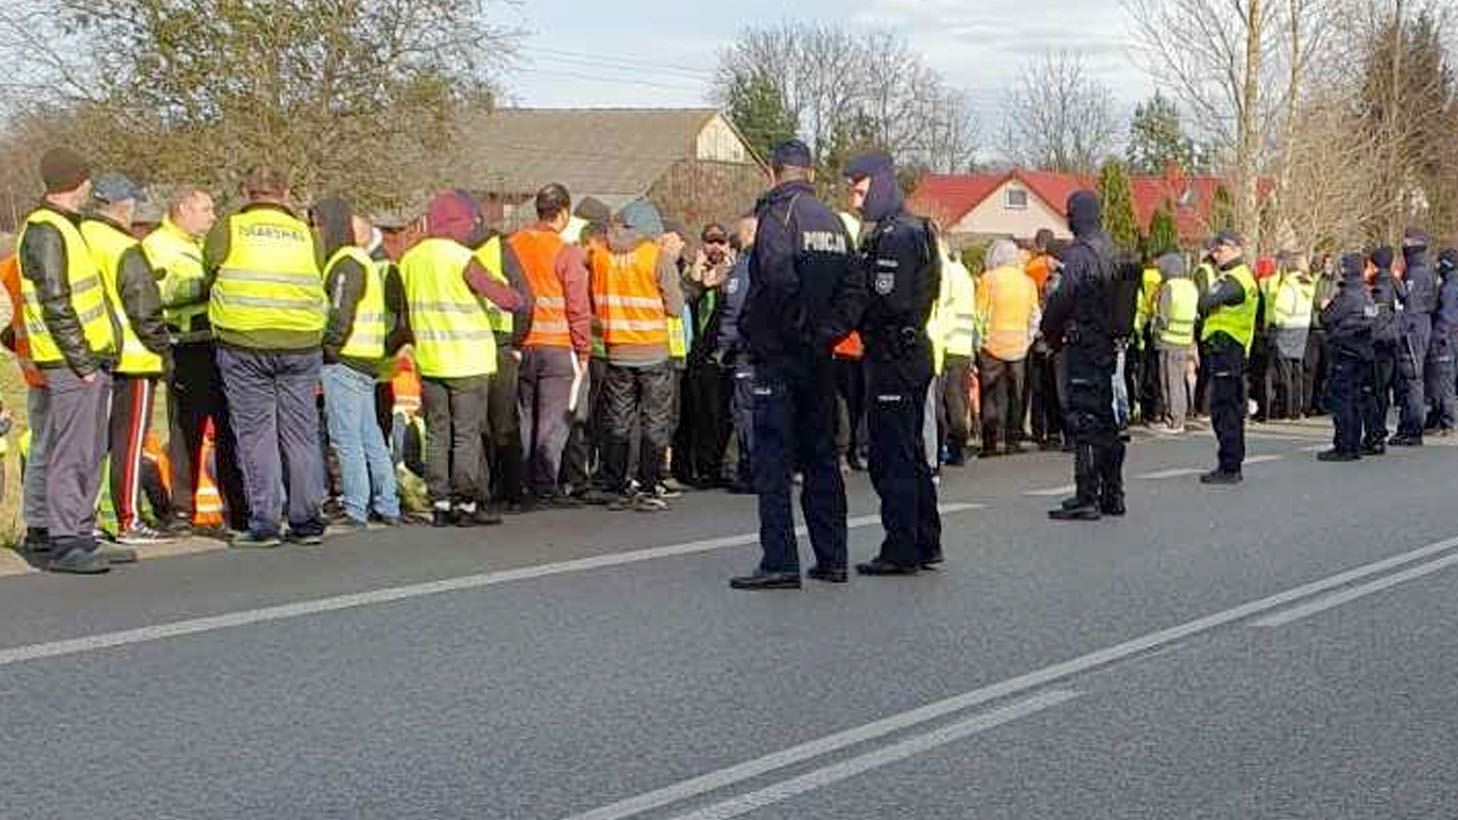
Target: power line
<point x="629" y="62"/>
<point x="598" y="78"/>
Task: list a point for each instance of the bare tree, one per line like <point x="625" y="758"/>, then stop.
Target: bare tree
<point x="1059" y="116"/>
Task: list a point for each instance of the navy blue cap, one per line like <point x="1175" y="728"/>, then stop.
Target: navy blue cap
<point x="1229" y="239"/>
<point x="1415" y="238"/>
<point x="792" y="154"/>
<point x="869" y="165"/>
<point x="1383" y="256"/>
<point x="112" y="188"/>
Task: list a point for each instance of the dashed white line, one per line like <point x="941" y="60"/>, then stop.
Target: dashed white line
<point x="1178" y="472"/>
<point x="1347" y="596"/>
<point x="1068" y="489"/>
<point x="1263" y="459"/>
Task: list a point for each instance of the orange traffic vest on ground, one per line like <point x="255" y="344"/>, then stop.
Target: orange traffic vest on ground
<point x="10" y="277"/>
<point x="625" y="297"/>
<point x="537" y="251"/>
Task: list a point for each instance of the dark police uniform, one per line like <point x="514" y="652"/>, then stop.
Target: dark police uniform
<point x="1084" y="317"/>
<point x="1418" y="294"/>
<point x="903" y="272"/>
<point x="1347" y="321"/>
<point x="802" y="297"/>
<point x="1386" y="336"/>
<point x="1443" y="353"/>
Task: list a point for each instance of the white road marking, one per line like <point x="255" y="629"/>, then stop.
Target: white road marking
<point x="1068" y="489"/>
<point x="1347" y="596"/>
<point x="1178" y="472"/>
<point x="1264" y="459"/>
<point x="809" y="750"/>
<point x="299" y="609"/>
<point x="894" y="753"/>
<point x="1316" y="448"/>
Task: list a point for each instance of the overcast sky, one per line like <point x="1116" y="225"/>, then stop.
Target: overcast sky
<point x="661" y="52"/>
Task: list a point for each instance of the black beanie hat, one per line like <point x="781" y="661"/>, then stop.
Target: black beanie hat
<point x="62" y="170"/>
<point x="1382" y="257"/>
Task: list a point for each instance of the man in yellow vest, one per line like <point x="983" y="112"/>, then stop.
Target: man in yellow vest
<point x="194" y="387"/>
<point x="1229" y="308"/>
<point x="958" y="310"/>
<point x="354" y="347"/>
<point x="1177" y="305"/>
<point x="1292" y="307"/>
<point x="145" y="353"/>
<point x="74" y="339"/>
<point x="447" y="291"/>
<point x="268" y="309"/>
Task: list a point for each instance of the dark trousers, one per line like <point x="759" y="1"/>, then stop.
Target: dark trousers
<point x="703" y="423"/>
<point x="543" y="398"/>
<point x="1379" y="399"/>
<point x="579" y="457"/>
<point x="75" y="447"/>
<point x="1290" y="380"/>
<point x="502" y="431"/>
<point x="955" y="378"/>
<point x="1045" y="397"/>
<point x="1314" y="368"/>
<point x="900" y="469"/>
<point x="794" y="422"/>
<point x="1151" y="408"/>
<point x="455" y="412"/>
<point x="1442" y="367"/>
<point x="850" y="416"/>
<point x="741" y="409"/>
<point x="1098" y="454"/>
<point x="1258" y="374"/>
<point x="1412" y="356"/>
<point x="131" y="418"/>
<point x="1002" y="400"/>
<point x="636" y="398"/>
<point x="1344" y="400"/>
<point x="1226" y="360"/>
<point x="195" y="396"/>
<point x="272" y="398"/>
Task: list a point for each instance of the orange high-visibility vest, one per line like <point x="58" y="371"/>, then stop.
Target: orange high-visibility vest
<point x="850" y="347"/>
<point x="405" y="388"/>
<point x="10" y="277"/>
<point x="626" y="299"/>
<point x="537" y="251"/>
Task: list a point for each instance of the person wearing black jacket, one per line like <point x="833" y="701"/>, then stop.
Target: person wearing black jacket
<point x="903" y="275"/>
<point x="1418" y="295"/>
<point x="1443" y="352"/>
<point x="804" y="294"/>
<point x="1088" y="311"/>
<point x="1347" y="321"/>
<point x="703" y="424"/>
<point x="1386" y="336"/>
<point x="729" y="352"/>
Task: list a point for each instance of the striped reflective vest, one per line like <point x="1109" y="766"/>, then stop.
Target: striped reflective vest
<point x="489" y="256"/>
<point x="1236" y="321"/>
<point x="453" y="335"/>
<point x="1184" y="308"/>
<point x="538" y="251"/>
<point x="88" y="295"/>
<point x="178" y="261"/>
<point x="626" y="299"/>
<point x="366" y="338"/>
<point x="270" y="280"/>
<point x="108" y="244"/>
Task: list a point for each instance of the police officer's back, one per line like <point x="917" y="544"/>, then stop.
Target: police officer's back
<point x="903" y="270"/>
<point x="802" y="298"/>
<point x="1348" y="320"/>
<point x="1418" y="295"/>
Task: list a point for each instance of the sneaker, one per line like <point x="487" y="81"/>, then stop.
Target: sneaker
<point x="621" y="502"/>
<point x="442" y="518"/>
<point x="594" y="498"/>
<point x="37" y="541"/>
<point x="79" y="561"/>
<point x="178" y="528"/>
<point x="310" y="537"/>
<point x="466" y="517"/>
<point x="141" y="535"/>
<point x="1220" y="477"/>
<point x="349" y="526"/>
<point x="1337" y="456"/>
<point x="113" y="554"/>
<point x="645" y="503"/>
<point x="666" y="490"/>
<point x="255" y="541"/>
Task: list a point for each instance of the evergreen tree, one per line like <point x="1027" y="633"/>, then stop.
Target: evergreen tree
<point x="1222" y="211"/>
<point x="1120" y="222"/>
<point x="758" y="111"/>
<point x="1163" y="232"/>
<point x="1156" y="139"/>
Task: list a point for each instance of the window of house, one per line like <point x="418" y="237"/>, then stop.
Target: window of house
<point x="1015" y="199"/>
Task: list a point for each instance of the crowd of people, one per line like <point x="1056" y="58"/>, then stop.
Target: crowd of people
<point x="619" y="359"/>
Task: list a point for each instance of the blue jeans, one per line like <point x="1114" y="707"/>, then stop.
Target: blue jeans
<point x="366" y="471"/>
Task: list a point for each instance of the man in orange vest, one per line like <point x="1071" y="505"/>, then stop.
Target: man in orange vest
<point x="33" y="487"/>
<point x="635" y="290"/>
<point x="556" y="349"/>
<point x="1007" y="302"/>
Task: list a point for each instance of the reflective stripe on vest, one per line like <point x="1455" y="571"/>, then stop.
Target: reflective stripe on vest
<point x="453" y="336"/>
<point x="367" y="337"/>
<point x="626" y="299"/>
<point x="538" y="251"/>
<point x="489" y="257"/>
<point x="270" y="280"/>
<point x="1184" y="308"/>
<point x="1237" y="321"/>
<point x="108" y="244"/>
<point x="88" y="296"/>
<point x="179" y="261"/>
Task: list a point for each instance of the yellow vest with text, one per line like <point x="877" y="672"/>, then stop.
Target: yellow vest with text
<point x="108" y="244"/>
<point x="88" y="294"/>
<point x="453" y="334"/>
<point x="178" y="259"/>
<point x="1184" y="309"/>
<point x="270" y="279"/>
<point x="366" y="338"/>
<point x="489" y="256"/>
<point x="1236" y="321"/>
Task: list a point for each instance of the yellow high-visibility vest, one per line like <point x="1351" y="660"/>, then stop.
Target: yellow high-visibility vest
<point x="178" y="261"/>
<point x="453" y="335"/>
<point x="367" y="337"/>
<point x="1184" y="309"/>
<point x="1236" y="321"/>
<point x="489" y="255"/>
<point x="88" y="294"/>
<point x="1293" y="303"/>
<point x="270" y="280"/>
<point x="108" y="244"/>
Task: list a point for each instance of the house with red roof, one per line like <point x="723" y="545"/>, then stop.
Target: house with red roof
<point x="1019" y="202"/>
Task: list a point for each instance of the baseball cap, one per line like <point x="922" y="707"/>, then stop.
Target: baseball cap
<point x="111" y="188"/>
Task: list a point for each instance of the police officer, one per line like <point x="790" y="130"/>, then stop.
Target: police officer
<point x="729" y="350"/>
<point x="1230" y="308"/>
<point x="1083" y="319"/>
<point x="803" y="295"/>
<point x="902" y="267"/>
<point x="1386" y="336"/>
<point x="1347" y="320"/>
<point x="1443" y="353"/>
<point x="1418" y="295"/>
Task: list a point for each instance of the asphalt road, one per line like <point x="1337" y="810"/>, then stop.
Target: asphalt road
<point x="1280" y="649"/>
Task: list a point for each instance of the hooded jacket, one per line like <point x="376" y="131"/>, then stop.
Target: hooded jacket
<point x="1417" y="293"/>
<point x="1171" y="267"/>
<point x="1084" y="311"/>
<point x="344" y="285"/>
<point x="1386" y="329"/>
<point x="1350" y="316"/>
<point x="902" y="264"/>
<point x="625" y="239"/>
<point x="1445" y="320"/>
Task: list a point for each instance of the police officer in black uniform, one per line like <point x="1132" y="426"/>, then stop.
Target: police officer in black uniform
<point x="1084" y="317"/>
<point x="1418" y="295"/>
<point x="804" y="294"/>
<point x="902" y="266"/>
<point x="1347" y="320"/>
<point x="1386" y="337"/>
